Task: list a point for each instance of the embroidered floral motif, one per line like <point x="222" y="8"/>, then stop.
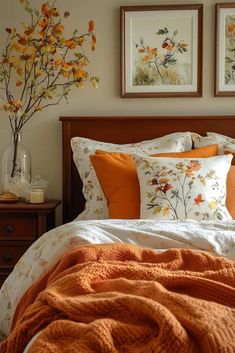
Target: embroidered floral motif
<point x="183" y="188"/>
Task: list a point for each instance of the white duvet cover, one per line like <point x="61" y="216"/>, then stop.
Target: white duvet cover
<point x="216" y="237"/>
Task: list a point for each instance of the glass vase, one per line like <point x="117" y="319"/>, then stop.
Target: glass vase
<point x="16" y="167"/>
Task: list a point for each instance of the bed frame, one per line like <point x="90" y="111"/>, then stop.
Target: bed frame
<point x="124" y="129"/>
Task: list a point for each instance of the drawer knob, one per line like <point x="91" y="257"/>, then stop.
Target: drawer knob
<point x="8" y="228"/>
<point x="8" y="257"/>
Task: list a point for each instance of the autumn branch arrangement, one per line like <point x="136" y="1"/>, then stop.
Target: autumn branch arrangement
<point x="39" y="65"/>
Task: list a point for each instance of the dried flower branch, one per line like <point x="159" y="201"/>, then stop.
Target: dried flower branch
<point x="39" y="64"/>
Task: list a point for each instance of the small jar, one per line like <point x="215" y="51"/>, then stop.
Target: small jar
<point x="38" y="190"/>
<point x="36" y="195"/>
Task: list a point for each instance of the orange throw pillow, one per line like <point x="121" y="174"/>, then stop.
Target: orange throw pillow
<point x="119" y="181"/>
<point x="230" y="198"/>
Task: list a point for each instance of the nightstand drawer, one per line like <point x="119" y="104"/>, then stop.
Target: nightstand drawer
<point x="21" y="223"/>
<point x="18" y="227"/>
<point x="11" y="253"/>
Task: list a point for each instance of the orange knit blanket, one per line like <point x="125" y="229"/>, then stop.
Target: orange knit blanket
<point x="122" y="298"/>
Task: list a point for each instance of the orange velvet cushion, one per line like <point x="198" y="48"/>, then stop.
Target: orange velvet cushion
<point x="119" y="181"/>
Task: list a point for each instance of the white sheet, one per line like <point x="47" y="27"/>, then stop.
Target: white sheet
<point x="216" y="237"/>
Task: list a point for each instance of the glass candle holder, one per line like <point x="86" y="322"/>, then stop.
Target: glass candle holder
<point x="36" y="195"/>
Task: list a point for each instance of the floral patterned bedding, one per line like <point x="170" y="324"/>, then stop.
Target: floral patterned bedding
<point x="216" y="237"/>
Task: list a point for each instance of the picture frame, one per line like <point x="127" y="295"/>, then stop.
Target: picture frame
<point x="224" y="50"/>
<point x="161" y="51"/>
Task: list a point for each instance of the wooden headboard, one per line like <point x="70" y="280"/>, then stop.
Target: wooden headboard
<point x="120" y="130"/>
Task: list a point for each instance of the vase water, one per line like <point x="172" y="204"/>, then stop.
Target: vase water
<point x="16" y="167"/>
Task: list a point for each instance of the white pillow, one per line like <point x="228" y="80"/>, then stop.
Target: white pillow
<point x="226" y="144"/>
<point x="220" y="137"/>
<point x="180" y="188"/>
<point x="96" y="205"/>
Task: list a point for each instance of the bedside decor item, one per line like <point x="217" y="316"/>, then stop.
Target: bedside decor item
<point x="21" y="224"/>
<point x="38" y="190"/>
<point x="38" y="67"/>
<point x="225" y="47"/>
<point x="36" y="195"/>
<point x="8" y="197"/>
<point x="16" y="166"/>
<point x="161" y="51"/>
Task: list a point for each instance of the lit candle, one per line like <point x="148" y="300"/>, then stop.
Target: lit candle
<point x="36" y="195"/>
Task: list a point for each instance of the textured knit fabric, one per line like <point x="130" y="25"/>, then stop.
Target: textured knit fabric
<point x="122" y="298"/>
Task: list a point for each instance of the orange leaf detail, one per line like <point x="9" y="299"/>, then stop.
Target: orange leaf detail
<point x="59" y="28"/>
<point x="43" y="22"/>
<point x="19" y="71"/>
<point x="91" y="26"/>
<point x="44" y="9"/>
<point x="22" y="41"/>
<point x="57" y="63"/>
<point x="230" y="27"/>
<point x="198" y="199"/>
<point x="64" y="74"/>
<point x="70" y="44"/>
<point x="18" y="83"/>
<point x="79" y="74"/>
<point x="79" y="40"/>
<point x="28" y="31"/>
<point x="53" y="12"/>
<point x="166" y="187"/>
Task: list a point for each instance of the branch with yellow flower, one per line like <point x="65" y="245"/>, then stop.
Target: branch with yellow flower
<point x="39" y="65"/>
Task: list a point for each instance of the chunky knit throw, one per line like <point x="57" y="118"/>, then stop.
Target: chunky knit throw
<point x="122" y="298"/>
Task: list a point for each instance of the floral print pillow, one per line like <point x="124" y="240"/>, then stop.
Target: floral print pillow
<point x="96" y="205"/>
<point x="226" y="144"/>
<point x="175" y="188"/>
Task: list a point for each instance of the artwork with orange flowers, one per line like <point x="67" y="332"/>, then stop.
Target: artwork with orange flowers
<point x="161" y="51"/>
<point x="183" y="188"/>
<point x="225" y="50"/>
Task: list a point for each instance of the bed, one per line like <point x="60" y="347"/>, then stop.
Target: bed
<point x="131" y="298"/>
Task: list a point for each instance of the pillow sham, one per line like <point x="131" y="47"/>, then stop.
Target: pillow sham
<point x="221" y="138"/>
<point x="96" y="205"/>
<point x="173" y="188"/>
<point x="226" y="144"/>
<point x="117" y="176"/>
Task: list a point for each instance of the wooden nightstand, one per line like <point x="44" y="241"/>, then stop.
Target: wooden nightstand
<point x="21" y="224"/>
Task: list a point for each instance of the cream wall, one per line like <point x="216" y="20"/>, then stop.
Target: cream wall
<point x="42" y="135"/>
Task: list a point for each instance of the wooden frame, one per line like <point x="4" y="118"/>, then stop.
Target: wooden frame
<point x="224" y="50"/>
<point x="123" y="130"/>
<point x="165" y="61"/>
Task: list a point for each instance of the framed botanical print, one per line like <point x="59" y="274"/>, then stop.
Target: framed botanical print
<point x="161" y="51"/>
<point x="225" y="50"/>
